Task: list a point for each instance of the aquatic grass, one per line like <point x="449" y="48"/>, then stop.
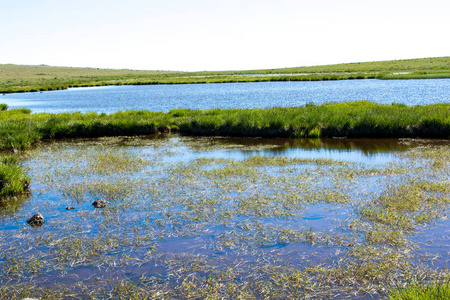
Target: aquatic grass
<point x="107" y="162"/>
<point x="284" y="161"/>
<point x="385" y="236"/>
<point x="387" y="217"/>
<point x="327" y="196"/>
<point x="409" y="204"/>
<point x="223" y="228"/>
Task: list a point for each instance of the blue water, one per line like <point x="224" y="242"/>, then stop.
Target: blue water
<point x="110" y="99"/>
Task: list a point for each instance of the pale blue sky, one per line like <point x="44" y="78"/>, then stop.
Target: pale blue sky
<point x="219" y="35"/>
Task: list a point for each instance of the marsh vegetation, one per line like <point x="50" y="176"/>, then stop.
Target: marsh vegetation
<point x="204" y="217"/>
<point x="19" y="129"/>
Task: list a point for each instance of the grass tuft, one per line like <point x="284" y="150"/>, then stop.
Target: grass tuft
<point x="430" y="291"/>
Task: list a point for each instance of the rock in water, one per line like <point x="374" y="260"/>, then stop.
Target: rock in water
<point x="36" y="221"/>
<point x="26" y="185"/>
<point x="100" y="203"/>
<point x="70" y="207"/>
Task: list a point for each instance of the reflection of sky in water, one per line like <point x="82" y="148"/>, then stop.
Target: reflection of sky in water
<point x="110" y="99"/>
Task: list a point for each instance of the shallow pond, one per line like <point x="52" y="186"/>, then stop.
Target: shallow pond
<point x="197" y="217"/>
<point x="110" y="99"/>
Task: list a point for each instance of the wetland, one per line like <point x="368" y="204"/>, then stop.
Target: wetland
<point x="260" y="190"/>
<point x="215" y="217"/>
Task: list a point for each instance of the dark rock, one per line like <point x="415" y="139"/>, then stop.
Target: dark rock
<point x="26" y="185"/>
<point x="70" y="207"/>
<point x="100" y="203"/>
<point x="37" y="220"/>
<point x="164" y="129"/>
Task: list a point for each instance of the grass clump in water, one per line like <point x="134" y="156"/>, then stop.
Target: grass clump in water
<point x="13" y="181"/>
<point x="108" y="162"/>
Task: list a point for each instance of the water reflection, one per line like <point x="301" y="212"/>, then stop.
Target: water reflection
<point x="164" y="98"/>
<point x="372" y="151"/>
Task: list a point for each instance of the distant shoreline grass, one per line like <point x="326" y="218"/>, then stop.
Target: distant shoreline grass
<point x="23" y="78"/>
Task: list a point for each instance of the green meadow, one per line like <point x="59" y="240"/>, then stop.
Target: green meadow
<point x="22" y="78"/>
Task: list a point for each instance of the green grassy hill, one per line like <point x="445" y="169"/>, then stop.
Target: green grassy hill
<point x="21" y="78"/>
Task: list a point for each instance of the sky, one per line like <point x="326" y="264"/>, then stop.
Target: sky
<point x="197" y="35"/>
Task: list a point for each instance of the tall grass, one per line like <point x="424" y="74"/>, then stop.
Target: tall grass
<point x="356" y="119"/>
<point x="13" y="180"/>
<point x="19" y="129"/>
<point x="435" y="291"/>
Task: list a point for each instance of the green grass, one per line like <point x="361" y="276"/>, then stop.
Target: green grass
<point x="13" y="181"/>
<point x="362" y="119"/>
<point x="433" y="291"/>
<point x="22" y="78"/>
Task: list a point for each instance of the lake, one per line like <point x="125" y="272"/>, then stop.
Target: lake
<point x="110" y="99"/>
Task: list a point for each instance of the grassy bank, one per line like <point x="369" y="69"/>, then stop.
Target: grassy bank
<point x="362" y="119"/>
<point x="20" y="78"/>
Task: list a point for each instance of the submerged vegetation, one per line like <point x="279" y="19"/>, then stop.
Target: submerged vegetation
<point x="18" y="78"/>
<point x="194" y="218"/>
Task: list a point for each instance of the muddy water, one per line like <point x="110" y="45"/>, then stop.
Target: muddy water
<point x="183" y="207"/>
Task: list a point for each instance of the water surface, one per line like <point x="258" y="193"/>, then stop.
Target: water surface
<point x="244" y="212"/>
<point x="110" y="99"/>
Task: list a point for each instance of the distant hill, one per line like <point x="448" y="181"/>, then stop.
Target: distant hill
<point x="23" y="78"/>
